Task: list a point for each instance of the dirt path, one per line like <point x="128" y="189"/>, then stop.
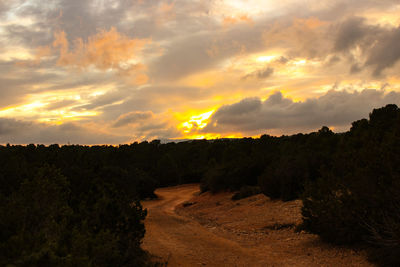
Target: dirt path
<point x="216" y="231"/>
<point x="183" y="241"/>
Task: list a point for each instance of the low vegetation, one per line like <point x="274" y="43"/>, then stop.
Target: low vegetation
<point x="65" y="205"/>
<point x="246" y="191"/>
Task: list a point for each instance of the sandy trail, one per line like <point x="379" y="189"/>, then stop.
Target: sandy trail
<point x="183" y="241"/>
<point x="216" y="231"/>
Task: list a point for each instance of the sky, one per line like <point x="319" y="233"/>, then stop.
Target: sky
<point x="120" y="71"/>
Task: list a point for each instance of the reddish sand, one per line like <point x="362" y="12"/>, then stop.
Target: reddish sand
<point x="188" y="229"/>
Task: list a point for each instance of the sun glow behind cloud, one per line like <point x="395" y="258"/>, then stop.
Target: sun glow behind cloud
<point x="164" y="69"/>
<point x="36" y="110"/>
<point x="197" y="121"/>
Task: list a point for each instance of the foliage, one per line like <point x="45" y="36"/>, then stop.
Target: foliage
<point x="356" y="200"/>
<point x="46" y="223"/>
<point x="246" y="191"/>
<point x="72" y="204"/>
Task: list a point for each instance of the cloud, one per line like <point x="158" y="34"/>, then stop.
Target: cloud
<point x="367" y="45"/>
<point x="132" y="117"/>
<point x="231" y="20"/>
<point x="378" y="44"/>
<point x="106" y="49"/>
<point x="25" y="132"/>
<point x="60" y="104"/>
<point x="190" y="43"/>
<point x="351" y="32"/>
<point x="104" y="100"/>
<point x="17" y="82"/>
<point x="385" y="53"/>
<point x="261" y="74"/>
<point x="157" y="131"/>
<point x="299" y="37"/>
<point x="155" y="98"/>
<point x="279" y="114"/>
<point x="204" y="49"/>
<point x="362" y="43"/>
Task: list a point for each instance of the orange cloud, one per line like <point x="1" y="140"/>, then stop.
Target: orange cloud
<point x="300" y="37"/>
<point x="311" y="23"/>
<point x="42" y="51"/>
<point x="135" y="73"/>
<point x="166" y="13"/>
<point x="60" y="40"/>
<point x="166" y="8"/>
<point x="104" y="50"/>
<point x="228" y="21"/>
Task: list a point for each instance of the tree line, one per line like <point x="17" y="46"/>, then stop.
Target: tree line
<point x="80" y="205"/>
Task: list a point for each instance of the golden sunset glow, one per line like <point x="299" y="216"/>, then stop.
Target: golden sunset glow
<point x="197" y="122"/>
<point x="190" y="70"/>
<point x="266" y="58"/>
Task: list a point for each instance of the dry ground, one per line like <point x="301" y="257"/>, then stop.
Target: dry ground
<point x="188" y="229"/>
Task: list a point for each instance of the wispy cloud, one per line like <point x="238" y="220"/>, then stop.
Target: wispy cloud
<point x="134" y="70"/>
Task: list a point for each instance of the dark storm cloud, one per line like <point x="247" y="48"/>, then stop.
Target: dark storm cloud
<point x="282" y="60"/>
<point x="159" y="130"/>
<point x="335" y="108"/>
<point x="245" y="106"/>
<point x="262" y="74"/>
<point x="377" y="44"/>
<point x="351" y="32"/>
<point x="23" y="132"/>
<point x="355" y="68"/>
<point x="386" y="52"/>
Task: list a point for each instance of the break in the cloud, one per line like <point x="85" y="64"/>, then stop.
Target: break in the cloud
<point x="134" y="70"/>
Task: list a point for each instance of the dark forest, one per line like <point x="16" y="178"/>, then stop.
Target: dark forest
<point x="80" y="205"/>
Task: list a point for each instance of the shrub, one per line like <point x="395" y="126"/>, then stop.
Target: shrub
<point x="45" y="223"/>
<point x="357" y="198"/>
<point x="384" y="235"/>
<point x="246" y="191"/>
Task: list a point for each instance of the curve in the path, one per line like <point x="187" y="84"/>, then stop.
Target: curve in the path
<point x="183" y="241"/>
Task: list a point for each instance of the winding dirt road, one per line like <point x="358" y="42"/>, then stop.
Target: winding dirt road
<point x="216" y="231"/>
<point x="183" y="241"/>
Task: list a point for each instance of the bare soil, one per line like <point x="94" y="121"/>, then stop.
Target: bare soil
<point x="186" y="228"/>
